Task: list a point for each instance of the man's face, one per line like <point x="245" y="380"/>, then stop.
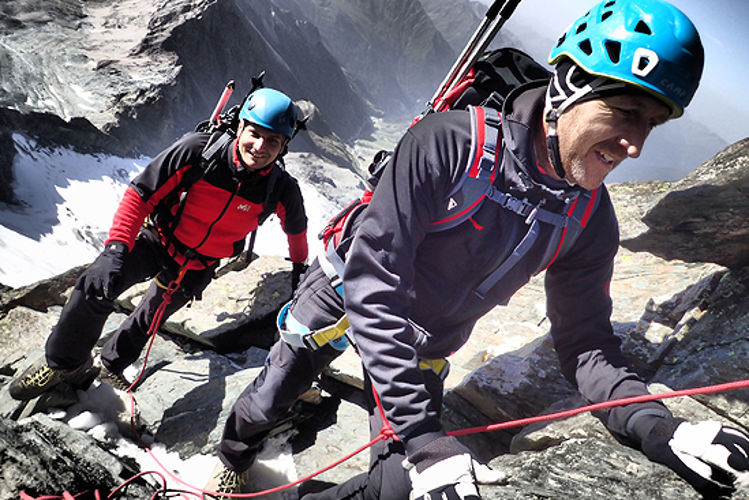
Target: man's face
<point x="596" y="135"/>
<point x="258" y="146"/>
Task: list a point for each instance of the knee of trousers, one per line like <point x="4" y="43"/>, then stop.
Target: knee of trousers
<point x="270" y="396"/>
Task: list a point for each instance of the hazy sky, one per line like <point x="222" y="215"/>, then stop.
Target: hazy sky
<point x="723" y="27"/>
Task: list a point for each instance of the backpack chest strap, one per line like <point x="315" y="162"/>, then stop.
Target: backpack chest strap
<point x="572" y="216"/>
<point x="526" y="209"/>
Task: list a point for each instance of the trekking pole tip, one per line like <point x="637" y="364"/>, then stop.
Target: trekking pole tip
<point x="494" y="9"/>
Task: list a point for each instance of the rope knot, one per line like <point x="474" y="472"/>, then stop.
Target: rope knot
<point x="387" y="432"/>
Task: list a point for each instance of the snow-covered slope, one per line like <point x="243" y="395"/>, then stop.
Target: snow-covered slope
<point x="67" y="201"/>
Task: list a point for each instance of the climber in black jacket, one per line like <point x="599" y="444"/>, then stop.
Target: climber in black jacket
<point x="410" y="294"/>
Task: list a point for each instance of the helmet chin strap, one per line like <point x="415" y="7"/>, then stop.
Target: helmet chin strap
<point x="552" y="145"/>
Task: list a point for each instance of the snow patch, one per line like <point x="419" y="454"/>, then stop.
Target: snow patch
<point x="67" y="201"/>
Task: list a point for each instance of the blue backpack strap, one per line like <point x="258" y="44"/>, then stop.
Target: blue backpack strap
<point x="463" y="201"/>
<point x="578" y="210"/>
<point x="534" y="216"/>
<point x="466" y="197"/>
<point x="568" y="225"/>
<point x="331" y="261"/>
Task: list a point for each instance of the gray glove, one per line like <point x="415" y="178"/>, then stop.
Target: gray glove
<point x="713" y="458"/>
<point x="445" y="469"/>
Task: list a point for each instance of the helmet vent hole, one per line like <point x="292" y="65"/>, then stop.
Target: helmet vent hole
<point x="581" y="28"/>
<point x="609" y="4"/>
<point x="561" y="39"/>
<point x="585" y="47"/>
<point x="643" y="63"/>
<point x="606" y="15"/>
<point x="613" y="49"/>
<point x="643" y="28"/>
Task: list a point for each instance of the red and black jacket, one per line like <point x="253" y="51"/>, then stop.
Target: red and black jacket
<point x="217" y="211"/>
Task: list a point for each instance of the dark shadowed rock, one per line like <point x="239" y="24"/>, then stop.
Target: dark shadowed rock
<point x="585" y="468"/>
<point x="707" y="210"/>
<point x="42" y="294"/>
<point x="41" y="456"/>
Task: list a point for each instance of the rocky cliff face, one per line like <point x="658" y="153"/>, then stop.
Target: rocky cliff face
<point x="682" y="324"/>
<point x="129" y="77"/>
<point x="391" y="48"/>
<point x="683" y="224"/>
<point x="143" y="73"/>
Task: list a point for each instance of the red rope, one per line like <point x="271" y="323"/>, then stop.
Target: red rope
<point x="387" y="431"/>
<point x="729" y="386"/>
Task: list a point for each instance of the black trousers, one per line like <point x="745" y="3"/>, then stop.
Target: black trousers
<point x="82" y="319"/>
<point x="289" y="371"/>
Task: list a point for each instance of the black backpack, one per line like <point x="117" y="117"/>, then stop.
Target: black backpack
<point x="482" y="91"/>
<point x="493" y="76"/>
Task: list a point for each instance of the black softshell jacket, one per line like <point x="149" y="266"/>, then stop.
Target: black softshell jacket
<point x="397" y="270"/>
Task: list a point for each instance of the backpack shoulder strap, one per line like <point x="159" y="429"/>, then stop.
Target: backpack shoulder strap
<point x="215" y="142"/>
<point x="481" y="168"/>
<point x="269" y="207"/>
<point x="578" y="212"/>
<point x="338" y="230"/>
<point x="567" y="227"/>
<point x="271" y="198"/>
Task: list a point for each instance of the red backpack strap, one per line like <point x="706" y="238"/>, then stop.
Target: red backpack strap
<point x="578" y="211"/>
<point x="481" y="168"/>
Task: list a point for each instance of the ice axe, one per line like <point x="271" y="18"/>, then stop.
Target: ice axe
<point x="222" y="100"/>
<point x="499" y="12"/>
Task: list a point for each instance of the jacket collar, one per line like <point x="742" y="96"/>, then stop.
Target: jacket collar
<point x="522" y="113"/>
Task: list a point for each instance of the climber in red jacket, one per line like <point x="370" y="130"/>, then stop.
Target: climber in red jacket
<point x="198" y="209"/>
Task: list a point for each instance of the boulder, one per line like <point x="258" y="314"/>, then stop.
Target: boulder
<point x="708" y="209"/>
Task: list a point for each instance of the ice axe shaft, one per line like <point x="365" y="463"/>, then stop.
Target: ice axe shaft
<point x="499" y="12"/>
<point x="228" y="89"/>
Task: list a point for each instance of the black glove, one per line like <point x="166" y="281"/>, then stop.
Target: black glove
<point x="444" y="468"/>
<point x="101" y="278"/>
<point x="713" y="458"/>
<point x="297" y="270"/>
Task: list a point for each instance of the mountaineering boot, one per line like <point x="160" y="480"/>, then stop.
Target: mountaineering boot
<point x="224" y="480"/>
<point x="114" y="380"/>
<point x="40" y="378"/>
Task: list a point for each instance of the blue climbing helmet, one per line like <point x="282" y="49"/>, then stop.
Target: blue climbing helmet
<point x="271" y="109"/>
<point x="646" y="43"/>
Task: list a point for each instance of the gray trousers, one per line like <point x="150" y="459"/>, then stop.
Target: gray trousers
<point x="289" y="371"/>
